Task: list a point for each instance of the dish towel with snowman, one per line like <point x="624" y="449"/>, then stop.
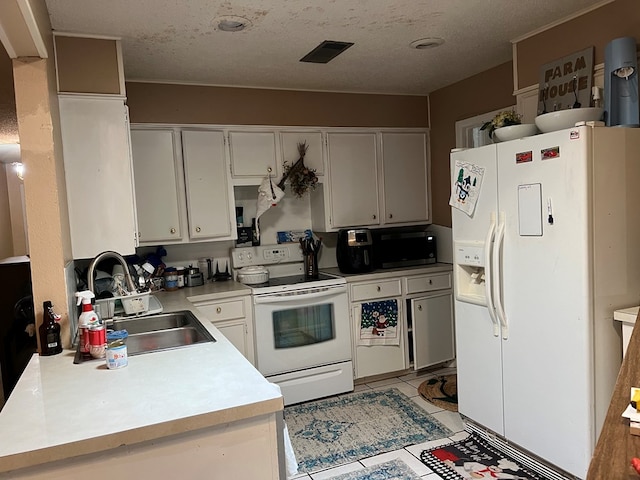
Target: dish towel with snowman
<point x="465" y="187"/>
<point x="379" y="323"/>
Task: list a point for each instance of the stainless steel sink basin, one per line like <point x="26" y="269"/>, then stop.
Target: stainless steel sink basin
<point x="162" y="332"/>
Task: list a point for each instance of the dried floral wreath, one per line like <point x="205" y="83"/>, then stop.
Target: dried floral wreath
<point x="301" y="178"/>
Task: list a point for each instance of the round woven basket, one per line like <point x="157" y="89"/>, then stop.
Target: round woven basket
<point x="441" y="391"/>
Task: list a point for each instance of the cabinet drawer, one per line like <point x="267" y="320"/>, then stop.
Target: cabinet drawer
<point x="426" y="283"/>
<point x="218" y="311"/>
<point x="381" y="289"/>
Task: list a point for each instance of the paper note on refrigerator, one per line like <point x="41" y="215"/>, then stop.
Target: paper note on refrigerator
<point x="465" y="187"/>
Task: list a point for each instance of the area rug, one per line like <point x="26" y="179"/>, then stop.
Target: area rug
<point x="391" y="470"/>
<point x="474" y="458"/>
<point x="441" y="391"/>
<point x="331" y="432"/>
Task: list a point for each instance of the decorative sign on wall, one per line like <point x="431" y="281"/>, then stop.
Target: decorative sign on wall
<point x="566" y="82"/>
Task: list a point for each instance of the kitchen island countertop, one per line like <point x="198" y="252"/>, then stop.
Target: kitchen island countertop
<point x="60" y="410"/>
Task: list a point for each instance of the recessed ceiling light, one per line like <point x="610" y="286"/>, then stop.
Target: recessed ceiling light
<point x="425" y="43"/>
<point x="231" y="23"/>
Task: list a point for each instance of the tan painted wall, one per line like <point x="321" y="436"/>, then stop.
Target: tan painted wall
<point x="6" y="238"/>
<point x="45" y="192"/>
<point x="87" y="65"/>
<point x="164" y="103"/>
<point x="476" y="95"/>
<point x="613" y="20"/>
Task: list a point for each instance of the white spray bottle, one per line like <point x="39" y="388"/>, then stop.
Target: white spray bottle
<point x="86" y="318"/>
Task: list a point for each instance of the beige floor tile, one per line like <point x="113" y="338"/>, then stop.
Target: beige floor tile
<point x="382" y="383"/>
<point x="361" y="388"/>
<point x="300" y="476"/>
<point x="418" y="380"/>
<point x="429" y="407"/>
<point x="404" y="387"/>
<point x="451" y="420"/>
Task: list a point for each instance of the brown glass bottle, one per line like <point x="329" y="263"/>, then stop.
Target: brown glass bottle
<point x="50" y="343"/>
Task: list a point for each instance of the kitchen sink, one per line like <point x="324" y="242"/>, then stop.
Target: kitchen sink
<point x="162" y="331"/>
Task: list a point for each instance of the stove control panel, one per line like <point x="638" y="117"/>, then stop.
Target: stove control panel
<point x="266" y="255"/>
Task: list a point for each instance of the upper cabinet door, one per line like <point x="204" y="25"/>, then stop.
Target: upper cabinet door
<point x="157" y="186"/>
<point x="97" y="161"/>
<point x="405" y="177"/>
<point x="253" y="155"/>
<point x="313" y="158"/>
<point x="353" y="179"/>
<point x="207" y="184"/>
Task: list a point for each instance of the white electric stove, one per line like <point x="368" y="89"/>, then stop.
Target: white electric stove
<point x="302" y="328"/>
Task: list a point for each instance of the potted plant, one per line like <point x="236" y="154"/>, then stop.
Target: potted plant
<point x="502" y="119"/>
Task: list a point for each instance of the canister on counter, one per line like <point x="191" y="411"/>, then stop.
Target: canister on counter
<point x="117" y="349"/>
<point x="181" y="273"/>
<point x="171" y="279"/>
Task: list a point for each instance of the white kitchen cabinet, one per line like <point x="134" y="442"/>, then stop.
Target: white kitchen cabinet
<point x="405" y="177"/>
<point x="234" y="318"/>
<point x="183" y="186"/>
<point x="375" y="178"/>
<point x="158" y="185"/>
<point x="373" y="360"/>
<point x="253" y="156"/>
<point x="98" y="174"/>
<point x="352" y="183"/>
<point x="430" y="329"/>
<point x="209" y="193"/>
<point x="314" y="157"/>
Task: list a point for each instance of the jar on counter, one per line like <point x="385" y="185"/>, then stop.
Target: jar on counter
<point x="181" y="274"/>
<point x="171" y="279"/>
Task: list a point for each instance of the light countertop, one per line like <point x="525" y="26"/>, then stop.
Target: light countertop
<point x="59" y="410"/>
<point x="626" y="315"/>
<point x="381" y="274"/>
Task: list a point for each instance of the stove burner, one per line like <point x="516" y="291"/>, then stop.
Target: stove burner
<point x="292" y="280"/>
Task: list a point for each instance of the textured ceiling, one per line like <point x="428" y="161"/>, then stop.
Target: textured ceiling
<point x="177" y="40"/>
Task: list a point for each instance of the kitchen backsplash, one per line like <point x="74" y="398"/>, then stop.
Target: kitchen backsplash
<point x="291" y="213"/>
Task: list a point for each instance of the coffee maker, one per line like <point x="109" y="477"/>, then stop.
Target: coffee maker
<point x="354" y="250"/>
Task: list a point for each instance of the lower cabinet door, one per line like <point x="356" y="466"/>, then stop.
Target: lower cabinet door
<point x="236" y="333"/>
<point x="377" y="359"/>
<point x="433" y="337"/>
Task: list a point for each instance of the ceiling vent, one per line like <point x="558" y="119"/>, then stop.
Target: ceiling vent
<point x="326" y="51"/>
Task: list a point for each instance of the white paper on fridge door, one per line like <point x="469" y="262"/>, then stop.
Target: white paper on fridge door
<point x="465" y="188"/>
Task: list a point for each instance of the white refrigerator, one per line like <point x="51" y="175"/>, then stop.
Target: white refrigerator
<point x="546" y="233"/>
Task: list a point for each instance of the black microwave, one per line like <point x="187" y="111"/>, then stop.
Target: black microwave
<point x="395" y="248"/>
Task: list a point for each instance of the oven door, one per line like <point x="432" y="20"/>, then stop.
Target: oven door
<point x="295" y="330"/>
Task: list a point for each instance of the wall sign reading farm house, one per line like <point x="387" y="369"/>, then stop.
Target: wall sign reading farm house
<point x="559" y="78"/>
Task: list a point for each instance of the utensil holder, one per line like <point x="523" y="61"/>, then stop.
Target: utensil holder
<point x="311" y="265"/>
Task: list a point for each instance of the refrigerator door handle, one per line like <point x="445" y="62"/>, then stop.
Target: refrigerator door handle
<point x="488" y="245"/>
<point x="497" y="279"/>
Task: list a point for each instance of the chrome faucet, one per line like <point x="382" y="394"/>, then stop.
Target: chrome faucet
<point x="119" y="258"/>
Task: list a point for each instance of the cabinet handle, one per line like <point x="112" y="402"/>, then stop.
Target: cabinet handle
<point x="391" y="215"/>
<point x="173" y="230"/>
<point x="375" y="216"/>
<point x="420" y="308"/>
<point x="378" y="288"/>
<point x="198" y="229"/>
<point x="219" y="310"/>
<point x="430" y="282"/>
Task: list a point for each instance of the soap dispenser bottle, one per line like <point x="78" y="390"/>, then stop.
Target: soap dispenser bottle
<point x="85" y="320"/>
<point x="50" y="343"/>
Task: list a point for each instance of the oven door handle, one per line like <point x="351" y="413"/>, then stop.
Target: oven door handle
<point x="295" y="297"/>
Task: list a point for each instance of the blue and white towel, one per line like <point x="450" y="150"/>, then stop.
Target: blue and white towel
<point x="379" y="323"/>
